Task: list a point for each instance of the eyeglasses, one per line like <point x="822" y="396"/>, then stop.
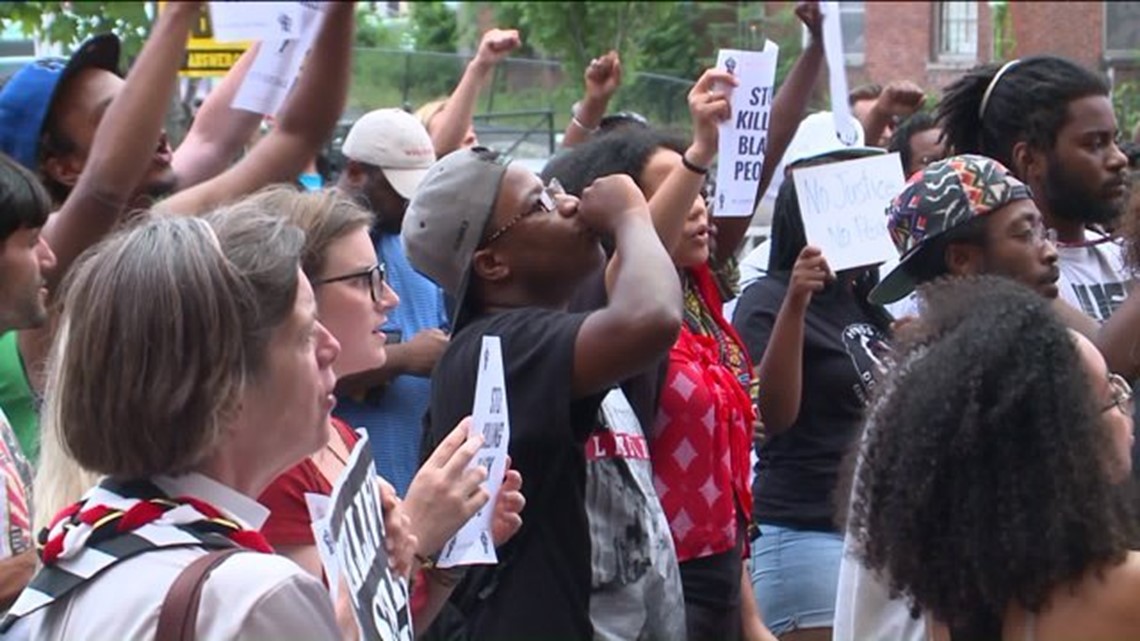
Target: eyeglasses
<point x="375" y="275"/>
<point x="1038" y="234"/>
<point x="545" y="203"/>
<point x="1121" y="394"/>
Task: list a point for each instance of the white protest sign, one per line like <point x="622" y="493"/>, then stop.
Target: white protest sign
<point x="837" y="73"/>
<point x="743" y="139"/>
<point x="277" y="64"/>
<point x="379" y="599"/>
<point x="233" y="21"/>
<point x="490" y="418"/>
<point x="319" y="506"/>
<point x="844" y="208"/>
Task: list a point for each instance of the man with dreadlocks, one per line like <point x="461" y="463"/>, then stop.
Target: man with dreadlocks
<point x="1051" y="122"/>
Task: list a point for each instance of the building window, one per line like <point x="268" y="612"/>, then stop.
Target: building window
<point x="956" y="32"/>
<point x="851" y="26"/>
<point x="1121" y="30"/>
<point x="851" y="15"/>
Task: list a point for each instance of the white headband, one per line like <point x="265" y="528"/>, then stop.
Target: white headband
<point x="993" y="83"/>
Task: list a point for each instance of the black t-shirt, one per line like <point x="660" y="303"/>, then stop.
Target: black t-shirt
<point x="643" y="389"/>
<point x="541" y="588"/>
<point x="799" y="468"/>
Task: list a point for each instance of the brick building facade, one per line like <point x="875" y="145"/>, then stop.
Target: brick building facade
<point x="931" y="43"/>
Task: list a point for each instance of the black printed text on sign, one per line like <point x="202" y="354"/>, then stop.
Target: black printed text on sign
<point x="379" y="599"/>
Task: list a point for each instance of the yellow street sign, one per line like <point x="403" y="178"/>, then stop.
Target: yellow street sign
<point x="205" y="56"/>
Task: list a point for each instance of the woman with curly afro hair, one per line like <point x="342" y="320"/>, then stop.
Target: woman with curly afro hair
<point x="990" y="490"/>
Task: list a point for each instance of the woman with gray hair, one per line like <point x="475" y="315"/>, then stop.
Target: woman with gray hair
<point x="190" y="383"/>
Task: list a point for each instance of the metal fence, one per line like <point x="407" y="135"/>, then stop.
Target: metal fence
<point x="525" y="106"/>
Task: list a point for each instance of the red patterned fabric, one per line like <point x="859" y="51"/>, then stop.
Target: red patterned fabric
<point x="288" y="522"/>
<point x="80" y="525"/>
<point x="703" y="434"/>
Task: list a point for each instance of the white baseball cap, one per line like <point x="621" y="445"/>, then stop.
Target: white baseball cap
<point x="394" y="141"/>
<point x="816" y="137"/>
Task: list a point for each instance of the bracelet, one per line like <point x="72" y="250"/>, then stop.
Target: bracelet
<point x="578" y="124"/>
<point x="573" y="119"/>
<point x="693" y="167"/>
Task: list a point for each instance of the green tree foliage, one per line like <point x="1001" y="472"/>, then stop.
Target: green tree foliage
<point x="374" y="32"/>
<point x="70" y="23"/>
<point x="434" y="27"/>
<point x="576" y="32"/>
<point x="672" y="45"/>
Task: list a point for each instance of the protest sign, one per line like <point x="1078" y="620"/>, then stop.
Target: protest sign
<point x="277" y="64"/>
<point x="269" y="21"/>
<point x="844" y="208"/>
<point x="379" y="598"/>
<point x="837" y="73"/>
<point x="743" y="139"/>
<point x="205" y="56"/>
<point x="489" y="418"/>
<point x="319" y="506"/>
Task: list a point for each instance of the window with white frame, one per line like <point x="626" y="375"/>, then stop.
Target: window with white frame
<point x="1122" y="29"/>
<point x="851" y="18"/>
<point x="956" y="31"/>
<point x="851" y="26"/>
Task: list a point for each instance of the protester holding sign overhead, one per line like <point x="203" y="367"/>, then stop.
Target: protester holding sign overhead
<point x="820" y="348"/>
<point x="693" y="460"/>
<point x="717" y="452"/>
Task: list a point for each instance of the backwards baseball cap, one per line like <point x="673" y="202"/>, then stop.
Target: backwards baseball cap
<point x="945" y="195"/>
<point x="396" y="142"/>
<point x="28" y="96"/>
<point x="447" y="217"/>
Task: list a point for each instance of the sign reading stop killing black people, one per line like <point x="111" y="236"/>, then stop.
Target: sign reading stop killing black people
<point x="379" y="598"/>
<point x="744" y="137"/>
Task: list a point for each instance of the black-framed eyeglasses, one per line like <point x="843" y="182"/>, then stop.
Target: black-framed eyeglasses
<point x="375" y="274"/>
<point x="545" y="203"/>
<point x="1121" y="394"/>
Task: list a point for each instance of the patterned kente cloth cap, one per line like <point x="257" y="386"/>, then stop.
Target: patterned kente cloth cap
<point x="944" y="195"/>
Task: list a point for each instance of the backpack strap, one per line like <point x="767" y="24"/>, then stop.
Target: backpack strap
<point x="179" y="613"/>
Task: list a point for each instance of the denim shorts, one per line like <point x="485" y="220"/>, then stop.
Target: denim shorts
<point x="795" y="574"/>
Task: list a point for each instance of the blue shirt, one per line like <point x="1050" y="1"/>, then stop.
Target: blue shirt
<point x="394" y="417"/>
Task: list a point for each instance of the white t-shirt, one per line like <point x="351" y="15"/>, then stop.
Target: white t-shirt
<point x="864" y="608"/>
<point x="1093" y="277"/>
<point x="250" y="596"/>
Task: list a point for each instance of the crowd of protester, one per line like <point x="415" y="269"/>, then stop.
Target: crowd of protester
<point x="702" y="448"/>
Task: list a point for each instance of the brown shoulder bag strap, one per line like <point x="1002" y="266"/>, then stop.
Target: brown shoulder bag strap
<point x="179" y="613"/>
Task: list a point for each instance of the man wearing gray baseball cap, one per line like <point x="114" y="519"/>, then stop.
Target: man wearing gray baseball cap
<point x="511" y="253"/>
